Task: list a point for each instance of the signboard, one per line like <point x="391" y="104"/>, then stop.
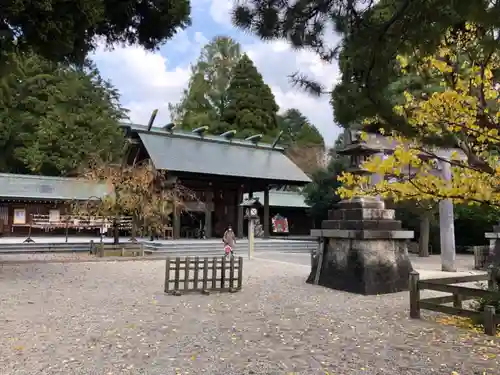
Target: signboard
<point x="54" y="216"/>
<point x="19" y="216"/>
<point x="252" y="212"/>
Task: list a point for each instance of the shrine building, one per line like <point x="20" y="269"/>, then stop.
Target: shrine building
<point x="37" y="204"/>
<point x="289" y="209"/>
<point x="219" y="170"/>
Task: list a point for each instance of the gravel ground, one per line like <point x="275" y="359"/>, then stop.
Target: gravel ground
<point x="113" y="318"/>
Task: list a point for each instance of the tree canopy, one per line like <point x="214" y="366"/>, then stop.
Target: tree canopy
<point x="139" y="191"/>
<point x="205" y="100"/>
<point x="372" y="34"/>
<point x="465" y="112"/>
<point x="62" y="30"/>
<point x="297" y="129"/>
<point x="303" y="141"/>
<point x="55" y="117"/>
<point x="252" y="108"/>
<point x="321" y="193"/>
<point x="222" y="79"/>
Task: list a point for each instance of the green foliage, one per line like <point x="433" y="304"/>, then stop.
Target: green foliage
<point x="298" y="130"/>
<point x="471" y="222"/>
<point x="54" y="117"/>
<point x="63" y="30"/>
<point x="481" y="303"/>
<point x="372" y="35"/>
<point x="251" y="105"/>
<point x="205" y="100"/>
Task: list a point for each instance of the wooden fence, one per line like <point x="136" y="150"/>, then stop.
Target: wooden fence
<point x="458" y="295"/>
<point x="203" y="275"/>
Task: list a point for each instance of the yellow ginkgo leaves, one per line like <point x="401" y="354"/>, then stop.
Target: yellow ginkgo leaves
<point x="464" y="113"/>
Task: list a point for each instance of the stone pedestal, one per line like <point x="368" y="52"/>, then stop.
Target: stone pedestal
<point x="493" y="258"/>
<point x="365" y="249"/>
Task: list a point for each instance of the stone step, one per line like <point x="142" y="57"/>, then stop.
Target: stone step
<point x="200" y="247"/>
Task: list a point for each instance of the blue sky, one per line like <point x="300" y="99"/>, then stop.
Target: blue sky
<point x="152" y="80"/>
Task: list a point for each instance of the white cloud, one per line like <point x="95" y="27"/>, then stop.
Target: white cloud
<point x="220" y="10"/>
<point x="144" y="80"/>
<point x="147" y="81"/>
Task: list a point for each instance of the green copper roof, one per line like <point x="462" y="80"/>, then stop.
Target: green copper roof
<point x="281" y="199"/>
<point x="213" y="155"/>
<point x="49" y="188"/>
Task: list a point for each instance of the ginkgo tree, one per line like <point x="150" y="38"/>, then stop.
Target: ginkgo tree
<point x="456" y="125"/>
<point x="139" y="191"/>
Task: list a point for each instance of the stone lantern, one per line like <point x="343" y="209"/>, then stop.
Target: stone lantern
<point x="363" y="248"/>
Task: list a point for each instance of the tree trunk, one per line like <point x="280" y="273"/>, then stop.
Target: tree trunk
<point x="134" y="229"/>
<point x="423" y="241"/>
<point x="116" y="232"/>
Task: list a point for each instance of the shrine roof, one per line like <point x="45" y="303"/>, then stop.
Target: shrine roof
<point x="279" y="198"/>
<point x="180" y="151"/>
<point x="19" y="186"/>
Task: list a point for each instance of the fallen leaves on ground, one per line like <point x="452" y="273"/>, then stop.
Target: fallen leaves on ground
<point x="462" y="322"/>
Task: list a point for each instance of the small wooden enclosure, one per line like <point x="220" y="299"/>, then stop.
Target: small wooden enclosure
<point x="183" y="275"/>
<point x="457" y="295"/>
<point x="117" y="250"/>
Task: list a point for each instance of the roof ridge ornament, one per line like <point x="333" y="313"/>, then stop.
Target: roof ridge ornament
<point x="169" y="127"/>
<point x="152" y="119"/>
<point x="277" y="139"/>
<point x="229" y="134"/>
<point x="200" y="131"/>
<point x="254" y="138"/>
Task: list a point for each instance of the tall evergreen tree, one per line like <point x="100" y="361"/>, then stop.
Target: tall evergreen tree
<point x="298" y="130"/>
<point x="304" y="143"/>
<point x="252" y="107"/>
<point x="205" y="100"/>
<point x="54" y="117"/>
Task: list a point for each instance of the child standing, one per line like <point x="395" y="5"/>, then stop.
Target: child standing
<point x="229" y="240"/>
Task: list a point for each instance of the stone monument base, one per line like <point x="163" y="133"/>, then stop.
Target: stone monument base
<point x="363" y="261"/>
<point x="364" y="266"/>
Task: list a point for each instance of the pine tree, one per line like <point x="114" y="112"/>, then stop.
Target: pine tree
<point x="252" y="108"/>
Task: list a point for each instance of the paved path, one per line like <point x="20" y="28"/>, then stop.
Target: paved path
<point x="429" y="267"/>
<point x="112" y="318"/>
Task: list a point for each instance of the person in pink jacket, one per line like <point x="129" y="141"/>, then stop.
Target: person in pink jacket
<point x="229" y="240"/>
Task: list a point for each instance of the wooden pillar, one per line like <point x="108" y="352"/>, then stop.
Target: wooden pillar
<point x="176" y="223"/>
<point x="209" y="203"/>
<point x="266" y="212"/>
<point x="240" y="212"/>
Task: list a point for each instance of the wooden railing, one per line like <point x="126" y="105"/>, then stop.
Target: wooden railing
<point x="458" y="295"/>
<point x="203" y="275"/>
<point x="40" y="221"/>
